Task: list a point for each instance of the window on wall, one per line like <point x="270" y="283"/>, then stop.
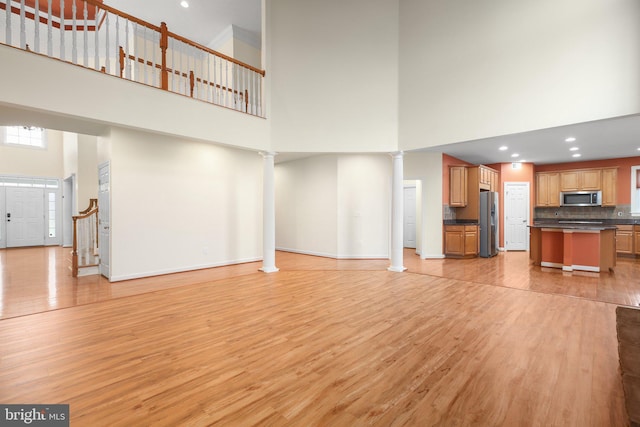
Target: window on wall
<point x="635" y="190"/>
<point x="26" y="136"/>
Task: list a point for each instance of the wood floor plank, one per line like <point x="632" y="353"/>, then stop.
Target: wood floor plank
<point x="326" y="343"/>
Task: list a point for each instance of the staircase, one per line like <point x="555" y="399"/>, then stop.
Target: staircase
<point x="85" y="259"/>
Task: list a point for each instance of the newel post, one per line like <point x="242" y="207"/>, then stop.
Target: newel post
<point x="164" y="44"/>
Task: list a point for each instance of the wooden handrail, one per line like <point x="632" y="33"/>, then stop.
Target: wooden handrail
<point x="216" y="53"/>
<point x="123" y="14"/>
<point x="93" y="204"/>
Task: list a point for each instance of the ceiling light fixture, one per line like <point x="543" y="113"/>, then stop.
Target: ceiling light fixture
<point x="184" y="4"/>
<point x="570" y="139"/>
<point x="573" y="149"/>
<point x="504" y="147"/>
<point x="515" y="155"/>
<point x="577" y="155"/>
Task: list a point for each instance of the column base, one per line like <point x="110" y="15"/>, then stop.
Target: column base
<point x="269" y="269"/>
<point x="397" y="269"/>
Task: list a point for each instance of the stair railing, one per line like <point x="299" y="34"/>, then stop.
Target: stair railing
<point x="93" y="35"/>
<point x="84" y="252"/>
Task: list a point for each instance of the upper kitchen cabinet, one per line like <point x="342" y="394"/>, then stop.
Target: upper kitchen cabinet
<point x="609" y="186"/>
<point x="478" y="178"/>
<point x="548" y="189"/>
<point x="581" y="180"/>
<point x="458" y="186"/>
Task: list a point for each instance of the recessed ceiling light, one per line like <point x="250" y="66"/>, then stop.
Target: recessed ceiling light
<point x="577" y="155"/>
<point x="573" y="149"/>
<point x="504" y="147"/>
<point x="515" y="155"/>
<point x="570" y="139"/>
<point x="184" y="4"/>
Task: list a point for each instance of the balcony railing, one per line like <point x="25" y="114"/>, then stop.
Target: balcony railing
<point x="96" y="36"/>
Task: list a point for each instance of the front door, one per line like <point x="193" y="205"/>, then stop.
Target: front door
<point x="104" y="222"/>
<point x="24" y="216"/>
<point x="516" y="212"/>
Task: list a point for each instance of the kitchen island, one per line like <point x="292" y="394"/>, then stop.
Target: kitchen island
<point x="574" y="246"/>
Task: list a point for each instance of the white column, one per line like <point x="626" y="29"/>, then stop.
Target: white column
<point x="268" y="215"/>
<point x="397" y="214"/>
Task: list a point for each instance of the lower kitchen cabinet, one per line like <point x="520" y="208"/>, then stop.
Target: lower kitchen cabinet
<point x="625" y="239"/>
<point x="461" y="241"/>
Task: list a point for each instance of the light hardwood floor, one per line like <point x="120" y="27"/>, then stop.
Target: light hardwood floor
<point x="322" y="342"/>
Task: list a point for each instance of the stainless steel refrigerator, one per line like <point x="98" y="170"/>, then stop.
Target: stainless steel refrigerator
<point x="488" y="224"/>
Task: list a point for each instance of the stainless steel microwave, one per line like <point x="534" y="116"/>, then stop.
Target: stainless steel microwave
<point x="581" y="198"/>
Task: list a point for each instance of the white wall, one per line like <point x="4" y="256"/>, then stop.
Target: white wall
<point x="58" y="99"/>
<point x="427" y="168"/>
<point x="87" y="177"/>
<point x="180" y="205"/>
<point x="334" y="205"/>
<point x="27" y="161"/>
<point x="307" y="205"/>
<point x="333" y="70"/>
<point x="471" y="70"/>
<point x="364" y="205"/>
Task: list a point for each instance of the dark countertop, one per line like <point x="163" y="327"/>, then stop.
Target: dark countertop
<point x="460" y="222"/>
<point x="575" y="226"/>
<point x="595" y="221"/>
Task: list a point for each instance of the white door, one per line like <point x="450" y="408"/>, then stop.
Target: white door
<point x="104" y="220"/>
<point x="3" y="220"/>
<point x="516" y="216"/>
<point x="409" y="229"/>
<point x="24" y="216"/>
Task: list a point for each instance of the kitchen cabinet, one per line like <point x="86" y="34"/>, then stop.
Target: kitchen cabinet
<point x="487" y="178"/>
<point x="457" y="186"/>
<point x="609" y="186"/>
<point x="636" y="238"/>
<point x="461" y="241"/>
<point x="581" y="180"/>
<point x="548" y="189"/>
<point x="624" y="239"/>
<point x="478" y="178"/>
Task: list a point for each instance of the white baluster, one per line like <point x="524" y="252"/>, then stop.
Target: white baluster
<point x="118" y="64"/>
<point x="23" y="32"/>
<point x="96" y="43"/>
<point x="208" y="78"/>
<point x="107" y="58"/>
<point x="245" y="104"/>
<point x="36" y="35"/>
<point x="215" y="89"/>
<point x="126" y="51"/>
<point x="7" y="18"/>
<point x="136" y="64"/>
<point x="153" y="64"/>
<point x="49" y="30"/>
<point x="173" y="70"/>
<point x="259" y="93"/>
<point x="85" y="34"/>
<point x="226" y="83"/>
<point x="62" y="52"/>
<point x="74" y="45"/>
<point x="144" y="53"/>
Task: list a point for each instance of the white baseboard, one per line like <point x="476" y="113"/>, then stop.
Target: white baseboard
<point x="120" y="278"/>
<point x="432" y="256"/>
<point x="334" y="256"/>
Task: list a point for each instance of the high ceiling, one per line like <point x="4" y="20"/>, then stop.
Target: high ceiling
<point x="202" y="21"/>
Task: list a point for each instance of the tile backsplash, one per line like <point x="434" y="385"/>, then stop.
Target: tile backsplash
<point x="586" y="212"/>
<point x="448" y="213"/>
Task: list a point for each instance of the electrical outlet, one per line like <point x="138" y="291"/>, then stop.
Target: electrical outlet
<point x="619" y="213"/>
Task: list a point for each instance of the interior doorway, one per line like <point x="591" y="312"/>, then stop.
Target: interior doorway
<point x="516" y="216"/>
<point x="409" y="222"/>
